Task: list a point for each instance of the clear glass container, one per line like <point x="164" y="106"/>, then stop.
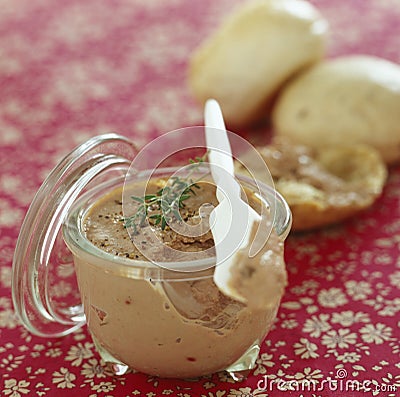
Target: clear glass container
<point x="137" y="312"/>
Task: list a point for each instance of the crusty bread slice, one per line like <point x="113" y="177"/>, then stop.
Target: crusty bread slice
<point x="323" y="186"/>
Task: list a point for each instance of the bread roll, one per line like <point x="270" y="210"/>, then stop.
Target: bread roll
<point x="348" y="100"/>
<point x="323" y="186"/>
<point x="253" y="52"/>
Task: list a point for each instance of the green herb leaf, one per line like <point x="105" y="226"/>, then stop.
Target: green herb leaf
<point x="168" y="200"/>
<point x="138" y="199"/>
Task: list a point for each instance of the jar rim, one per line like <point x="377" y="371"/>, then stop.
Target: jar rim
<point x="81" y="246"/>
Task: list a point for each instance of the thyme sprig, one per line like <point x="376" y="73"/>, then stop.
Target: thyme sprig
<point x="164" y="205"/>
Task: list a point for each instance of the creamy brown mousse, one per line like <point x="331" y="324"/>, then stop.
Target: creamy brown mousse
<point x="181" y="326"/>
<point x="259" y="278"/>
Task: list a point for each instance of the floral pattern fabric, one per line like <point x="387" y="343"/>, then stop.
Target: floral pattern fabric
<point x="72" y="70"/>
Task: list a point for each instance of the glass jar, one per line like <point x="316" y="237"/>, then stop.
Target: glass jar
<point x="138" y="313"/>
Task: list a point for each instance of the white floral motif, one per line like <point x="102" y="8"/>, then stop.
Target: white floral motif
<point x="306" y="349"/>
<point x="312" y="309"/>
<point x="391" y="307"/>
<point x="383" y="259"/>
<point x="316" y="325"/>
<point x="358" y="290"/>
<point x="5" y="303"/>
<point x="153" y="47"/>
<point x="262" y="362"/>
<point x="79" y="335"/>
<point x="5" y="276"/>
<point x="208" y="385"/>
<point x="53" y="352"/>
<point x="103" y="387"/>
<point x="93" y="369"/>
<point x="63" y="378"/>
<point x="341" y="338"/>
<point x="76" y="83"/>
<point x="395" y="279"/>
<point x="14" y="388"/>
<point x="79" y="352"/>
<point x="311" y="285"/>
<point x="393" y="380"/>
<point x="348" y="318"/>
<point x="38" y="347"/>
<point x="225" y="377"/>
<point x="9" y="215"/>
<point x="349" y="357"/>
<point x="246" y="392"/>
<point x="219" y="393"/>
<point x="10" y="136"/>
<point x="8" y="319"/>
<point x="377" y="334"/>
<point x="289" y="323"/>
<point x="332" y="297"/>
<point x="11" y="362"/>
<point x="308" y="374"/>
<point x="65" y="270"/>
<point x="79" y="23"/>
<point x="41" y="389"/>
<point x="159" y="112"/>
<point x="61" y="289"/>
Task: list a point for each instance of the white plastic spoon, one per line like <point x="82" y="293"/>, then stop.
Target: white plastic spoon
<point x="232" y="219"/>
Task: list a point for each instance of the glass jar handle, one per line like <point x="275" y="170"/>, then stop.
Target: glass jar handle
<point x="44" y="307"/>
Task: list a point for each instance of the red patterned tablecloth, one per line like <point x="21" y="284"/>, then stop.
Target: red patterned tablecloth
<point x="71" y="70"/>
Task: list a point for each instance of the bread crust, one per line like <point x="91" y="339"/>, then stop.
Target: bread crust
<point x="329" y="185"/>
